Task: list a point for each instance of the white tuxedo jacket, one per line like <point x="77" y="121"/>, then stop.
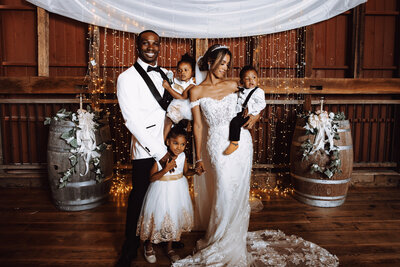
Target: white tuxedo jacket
<point x="143" y="116"/>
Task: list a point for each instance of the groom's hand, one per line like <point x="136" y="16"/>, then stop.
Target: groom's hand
<point x="200" y="168"/>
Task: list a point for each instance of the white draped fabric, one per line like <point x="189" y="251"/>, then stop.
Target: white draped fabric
<point x="199" y="18"/>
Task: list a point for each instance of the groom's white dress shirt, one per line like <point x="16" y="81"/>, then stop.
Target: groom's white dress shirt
<point x="143" y="116"/>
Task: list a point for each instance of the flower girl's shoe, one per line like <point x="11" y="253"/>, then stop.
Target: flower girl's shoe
<point x="150" y="255"/>
<point x="173" y="256"/>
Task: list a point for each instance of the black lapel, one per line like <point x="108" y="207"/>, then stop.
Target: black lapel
<point x="163" y="101"/>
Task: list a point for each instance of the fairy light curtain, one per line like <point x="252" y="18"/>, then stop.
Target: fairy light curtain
<point x="199" y="18"/>
<point x="274" y="27"/>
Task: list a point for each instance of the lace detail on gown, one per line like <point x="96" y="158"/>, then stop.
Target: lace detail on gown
<point x="225" y="193"/>
<point x="274" y="248"/>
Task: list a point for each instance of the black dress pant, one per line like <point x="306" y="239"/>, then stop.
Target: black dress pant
<point x="236" y="125"/>
<point x="140" y="182"/>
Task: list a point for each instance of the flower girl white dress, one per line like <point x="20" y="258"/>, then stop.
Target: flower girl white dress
<point x="167" y="207"/>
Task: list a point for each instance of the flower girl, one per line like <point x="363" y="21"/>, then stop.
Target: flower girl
<point x="180" y="107"/>
<point x="167" y="207"/>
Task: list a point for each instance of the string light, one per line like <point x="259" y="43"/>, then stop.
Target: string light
<point x="280" y="56"/>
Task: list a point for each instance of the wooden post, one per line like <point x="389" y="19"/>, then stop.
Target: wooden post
<point x="397" y="49"/>
<point x="43" y="42"/>
<point x="309" y="50"/>
<point x="255" y="53"/>
<point x="307" y="103"/>
<point x="396" y="133"/>
<point x="358" y="41"/>
<point x="201" y="47"/>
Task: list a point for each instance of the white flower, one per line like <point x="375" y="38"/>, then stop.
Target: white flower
<point x="324" y="118"/>
<point x="331" y="115"/>
<point x="313" y="120"/>
<point x="170" y="76"/>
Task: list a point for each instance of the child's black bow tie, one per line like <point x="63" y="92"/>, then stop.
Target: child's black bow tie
<point x="241" y="89"/>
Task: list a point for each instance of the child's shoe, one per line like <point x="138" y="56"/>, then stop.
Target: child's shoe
<point x="150" y="255"/>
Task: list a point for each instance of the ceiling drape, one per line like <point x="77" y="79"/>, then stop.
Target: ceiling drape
<point x="199" y="18"/>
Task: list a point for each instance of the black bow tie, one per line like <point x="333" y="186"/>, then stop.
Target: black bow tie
<point x="151" y="68"/>
<point x="241" y="89"/>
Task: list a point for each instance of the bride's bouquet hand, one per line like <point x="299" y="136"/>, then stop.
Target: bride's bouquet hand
<point x="252" y="120"/>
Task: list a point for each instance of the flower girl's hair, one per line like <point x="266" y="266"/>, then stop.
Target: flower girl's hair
<point x="178" y="130"/>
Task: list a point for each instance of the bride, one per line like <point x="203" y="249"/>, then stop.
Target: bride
<point x="222" y="201"/>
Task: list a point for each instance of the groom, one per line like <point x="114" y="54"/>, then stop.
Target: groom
<point x="143" y="102"/>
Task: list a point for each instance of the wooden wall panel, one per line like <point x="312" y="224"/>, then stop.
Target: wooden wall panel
<point x="68" y="46"/>
<point x="331" y="48"/>
<point x="278" y="54"/>
<point x="18" y="38"/>
<point x="381" y="18"/>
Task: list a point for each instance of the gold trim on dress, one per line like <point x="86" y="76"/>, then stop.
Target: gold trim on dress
<point x="171" y="177"/>
<point x="147" y="230"/>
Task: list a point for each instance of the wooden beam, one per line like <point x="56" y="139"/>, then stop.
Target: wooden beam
<point x="43" y="42"/>
<point x="74" y="85"/>
<point x="16" y="8"/>
<point x="42" y="85"/>
<point x="318" y="86"/>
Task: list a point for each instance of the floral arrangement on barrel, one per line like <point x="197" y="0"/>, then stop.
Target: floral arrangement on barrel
<point x="82" y="141"/>
<point x="324" y="126"/>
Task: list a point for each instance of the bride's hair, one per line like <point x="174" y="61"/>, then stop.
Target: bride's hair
<point x="214" y="55"/>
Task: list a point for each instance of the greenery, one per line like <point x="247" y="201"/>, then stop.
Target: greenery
<point x="307" y="148"/>
<point x="71" y="139"/>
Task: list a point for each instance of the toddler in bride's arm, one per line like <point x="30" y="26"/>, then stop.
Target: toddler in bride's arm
<point x="179" y="109"/>
<point x="251" y="102"/>
<point x="167" y="207"/>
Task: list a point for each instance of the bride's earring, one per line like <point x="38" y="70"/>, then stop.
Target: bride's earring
<point x="209" y="66"/>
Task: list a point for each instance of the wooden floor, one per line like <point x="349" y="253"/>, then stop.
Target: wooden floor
<point x="365" y="231"/>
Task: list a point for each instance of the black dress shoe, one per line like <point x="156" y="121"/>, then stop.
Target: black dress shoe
<point x="177" y="245"/>
<point x="125" y="259"/>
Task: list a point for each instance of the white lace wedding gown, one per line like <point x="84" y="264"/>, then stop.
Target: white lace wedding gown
<point x="222" y="205"/>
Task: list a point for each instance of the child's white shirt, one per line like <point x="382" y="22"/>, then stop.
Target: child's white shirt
<point x="256" y="102"/>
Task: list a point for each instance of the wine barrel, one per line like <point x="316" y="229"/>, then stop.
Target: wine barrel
<point x="316" y="188"/>
<point x="81" y="192"/>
